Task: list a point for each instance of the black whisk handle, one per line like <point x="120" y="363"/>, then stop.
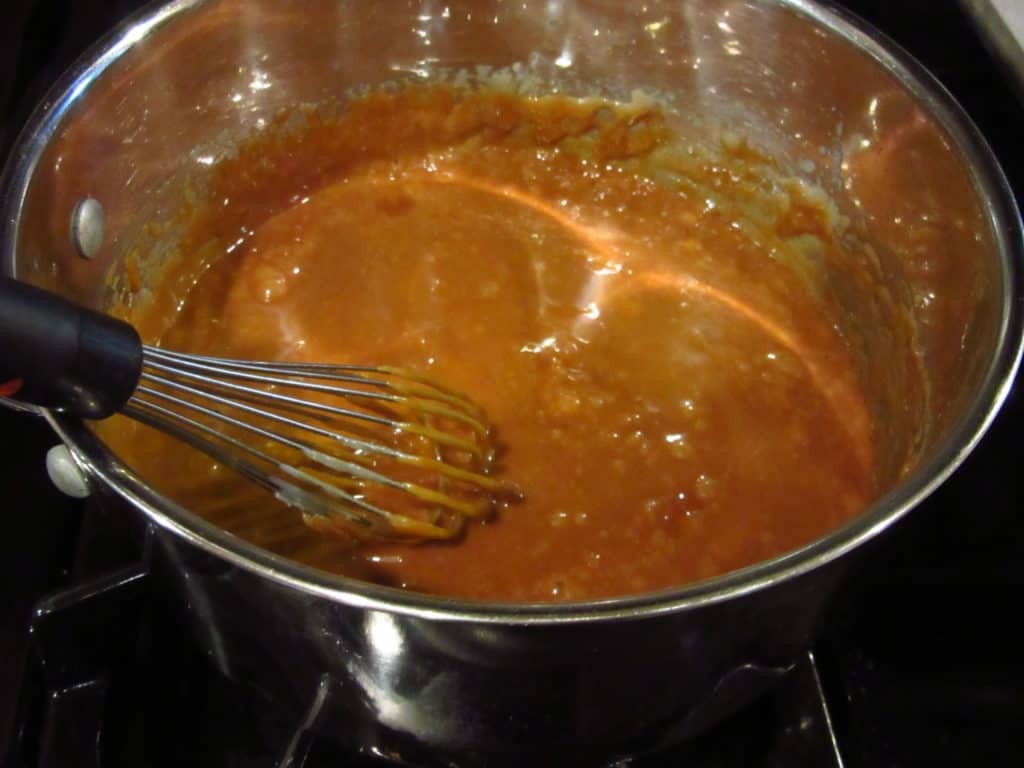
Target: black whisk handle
<point x="56" y="354"/>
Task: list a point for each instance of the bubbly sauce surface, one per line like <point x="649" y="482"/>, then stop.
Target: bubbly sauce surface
<point x="641" y="322"/>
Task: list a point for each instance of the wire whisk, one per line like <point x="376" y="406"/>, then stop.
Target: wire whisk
<point x="357" y="438"/>
<point x="365" y="452"/>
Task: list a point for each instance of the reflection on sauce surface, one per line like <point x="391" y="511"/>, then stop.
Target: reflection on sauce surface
<point x="642" y="321"/>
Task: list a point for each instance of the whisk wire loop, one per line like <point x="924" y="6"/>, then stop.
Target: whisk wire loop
<point x="385" y="453"/>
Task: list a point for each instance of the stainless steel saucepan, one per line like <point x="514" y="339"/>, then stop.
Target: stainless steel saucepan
<point x="172" y="90"/>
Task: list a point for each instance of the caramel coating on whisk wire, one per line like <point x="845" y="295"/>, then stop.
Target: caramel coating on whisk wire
<point x="390" y="455"/>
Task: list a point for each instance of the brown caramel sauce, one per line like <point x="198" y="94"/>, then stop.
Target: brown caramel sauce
<point x="643" y="322"/>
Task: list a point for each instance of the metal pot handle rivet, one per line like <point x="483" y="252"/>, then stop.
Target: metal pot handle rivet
<point x="87" y="227"/>
<point x="66" y="474"/>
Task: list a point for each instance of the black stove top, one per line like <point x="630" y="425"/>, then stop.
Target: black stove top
<point x="919" y="663"/>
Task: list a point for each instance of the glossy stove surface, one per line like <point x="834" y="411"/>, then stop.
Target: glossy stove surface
<point x="919" y="663"/>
